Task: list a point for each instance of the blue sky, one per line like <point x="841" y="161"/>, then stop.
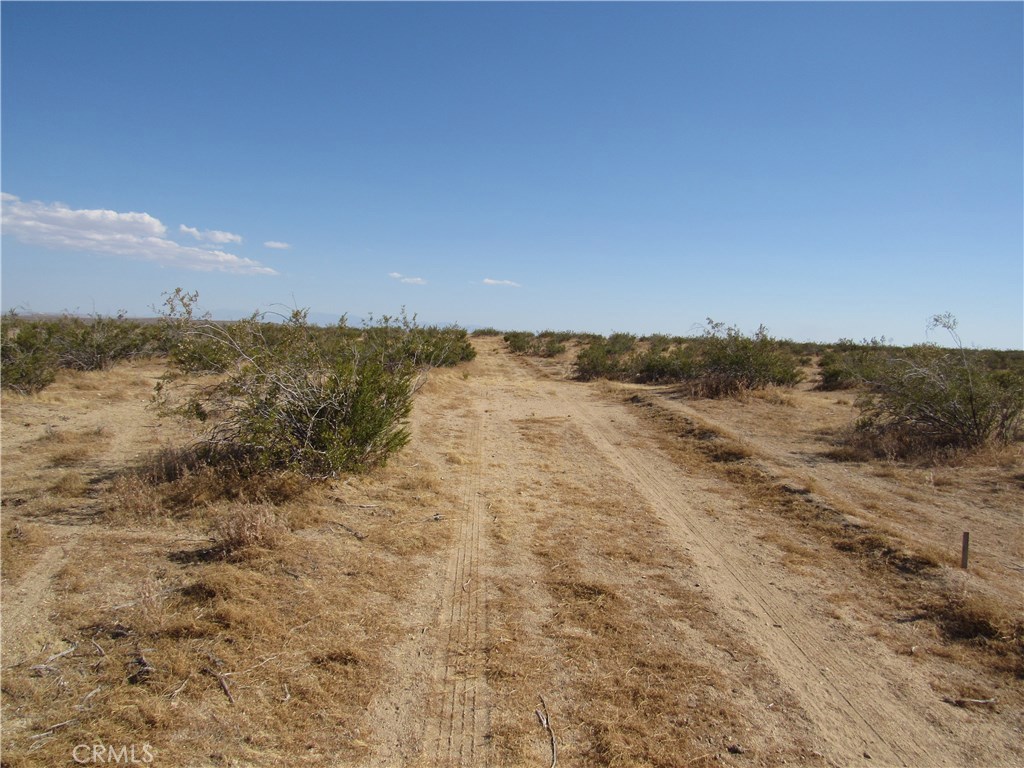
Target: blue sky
<point x="830" y="170"/>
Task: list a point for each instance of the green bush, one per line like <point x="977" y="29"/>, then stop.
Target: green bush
<point x="198" y="344"/>
<point x="318" y="401"/>
<point x="28" y="359"/>
<point x="34" y="350"/>
<point x="930" y="399"/>
<point x="728" y="362"/>
<point x="721" y="362"/>
<point x="96" y="343"/>
<point x="847" y="365"/>
<point x="543" y="344"/>
<point x="519" y="342"/>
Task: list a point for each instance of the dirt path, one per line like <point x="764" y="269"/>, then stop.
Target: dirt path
<point x="578" y="541"/>
<point x="463" y="727"/>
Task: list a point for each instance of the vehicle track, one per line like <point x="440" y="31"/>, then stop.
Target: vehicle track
<point x="857" y="711"/>
<point x="461" y="731"/>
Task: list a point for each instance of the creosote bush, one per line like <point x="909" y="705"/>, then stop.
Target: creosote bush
<point x="32" y="351"/>
<point x="293" y="396"/>
<point x="930" y="400"/>
<point x="721" y="362"/>
<point x="543" y="344"/>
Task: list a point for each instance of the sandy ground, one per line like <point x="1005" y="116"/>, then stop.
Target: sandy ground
<point x="593" y="590"/>
<point x="825" y="688"/>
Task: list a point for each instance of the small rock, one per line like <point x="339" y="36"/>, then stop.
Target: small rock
<point x="736" y="749"/>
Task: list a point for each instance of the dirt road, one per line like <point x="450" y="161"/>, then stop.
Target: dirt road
<point x="644" y="602"/>
<point x="598" y="572"/>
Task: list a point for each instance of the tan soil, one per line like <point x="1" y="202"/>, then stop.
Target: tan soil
<point x="546" y="544"/>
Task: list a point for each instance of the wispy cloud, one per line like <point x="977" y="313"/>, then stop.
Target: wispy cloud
<point x="408" y="280"/>
<point x="128" y="235"/>
<point x="506" y="283"/>
<point x="211" y="235"/>
<point x="277" y="245"/>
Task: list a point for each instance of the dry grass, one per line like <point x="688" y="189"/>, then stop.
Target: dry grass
<point x="242" y="528"/>
<point x="602" y="619"/>
<point x="898" y="570"/>
<point x="70" y="484"/>
<point x="219" y="617"/>
<point x="22" y="543"/>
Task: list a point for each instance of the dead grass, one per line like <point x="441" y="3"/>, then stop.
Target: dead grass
<point x="22" y="544"/>
<point x="621" y="621"/>
<point x="242" y="528"/>
<point x="222" y="618"/>
<point x="70" y="484"/>
<point x="897" y="569"/>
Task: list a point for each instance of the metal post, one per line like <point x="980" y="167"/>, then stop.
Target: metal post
<point x="963" y="551"/>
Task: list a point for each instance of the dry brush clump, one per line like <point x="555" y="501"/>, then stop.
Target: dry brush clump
<point x="247" y="527"/>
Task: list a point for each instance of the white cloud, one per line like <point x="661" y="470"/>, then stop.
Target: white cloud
<point x="212" y="235"/>
<point x="277" y="245"/>
<point x="508" y="283"/>
<point x="408" y="280"/>
<point x="129" y="235"/>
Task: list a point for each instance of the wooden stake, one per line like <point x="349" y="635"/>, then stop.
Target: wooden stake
<point x="964" y="548"/>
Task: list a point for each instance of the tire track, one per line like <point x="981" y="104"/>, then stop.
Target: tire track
<point x="851" y="704"/>
<point x="460" y="736"/>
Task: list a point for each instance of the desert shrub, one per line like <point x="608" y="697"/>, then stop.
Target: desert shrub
<point x="544" y="344"/>
<point x="596" y="361"/>
<point x="658" y="343"/>
<point x="96" y="343"/>
<point x="929" y="399"/>
<point x="661" y="365"/>
<point x="847" y="365"/>
<point x="721" y="362"/>
<point x="34" y="350"/>
<point x="605" y="357"/>
<point x="197" y="344"/>
<point x="297" y="398"/>
<point x="434" y="347"/>
<point x="729" y="362"/>
<point x="28" y="359"/>
<point x="519" y="341"/>
<point x="486" y="332"/>
<point x="620" y="344"/>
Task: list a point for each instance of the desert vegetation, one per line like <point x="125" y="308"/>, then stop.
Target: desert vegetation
<point x="243" y="542"/>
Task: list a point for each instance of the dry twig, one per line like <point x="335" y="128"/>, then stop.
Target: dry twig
<point x="965" y="702"/>
<point x="545" y="720"/>
<point x="72" y="649"/>
<point x="223" y="683"/>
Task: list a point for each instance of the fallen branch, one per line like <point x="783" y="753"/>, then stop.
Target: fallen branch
<point x="49" y="731"/>
<point x="545" y="720"/>
<point x="965" y="702"/>
<point x="130" y="603"/>
<point x="256" y="666"/>
<point x="83" y="704"/>
<point x="223" y="683"/>
<point x="72" y="649"/>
